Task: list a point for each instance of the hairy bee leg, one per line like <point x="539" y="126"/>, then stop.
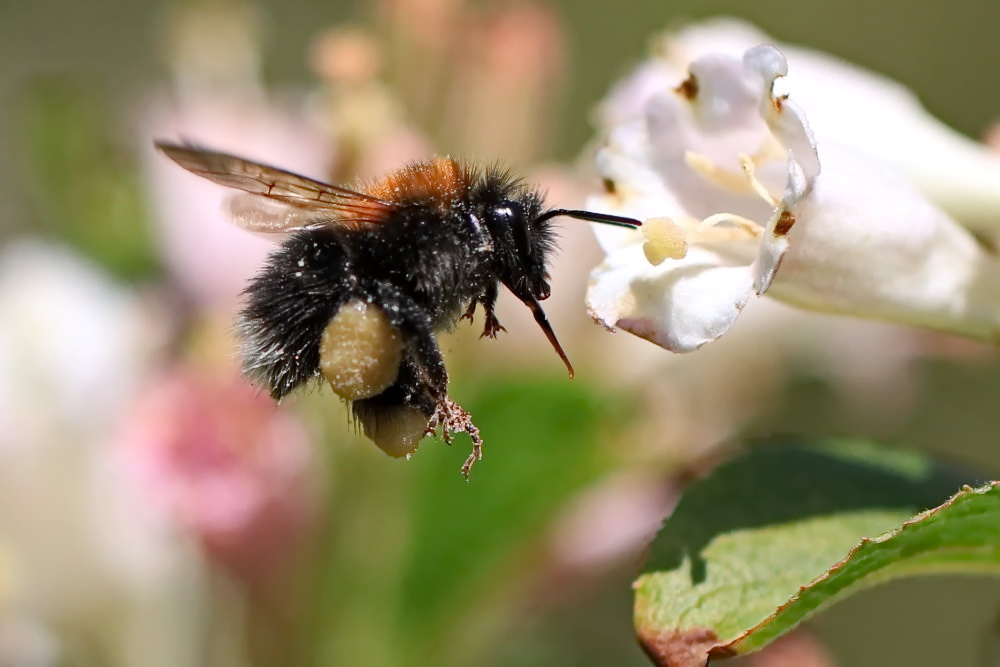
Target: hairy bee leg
<point x="491" y="326"/>
<point x="453" y="418"/>
<point x="413" y="322"/>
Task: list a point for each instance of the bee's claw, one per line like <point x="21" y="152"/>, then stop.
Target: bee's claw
<point x="492" y="327"/>
<point x="475" y="455"/>
<point x="470" y="312"/>
<point x="453" y="418"/>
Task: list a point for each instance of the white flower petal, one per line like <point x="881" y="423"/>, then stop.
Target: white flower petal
<point x="774" y="242"/>
<point x="638" y="191"/>
<point x="679" y="305"/>
<point x="871" y="113"/>
<point x="783" y="116"/>
<point x="847" y="104"/>
<point x="73" y="345"/>
<point x="867" y="243"/>
<point x="770" y="253"/>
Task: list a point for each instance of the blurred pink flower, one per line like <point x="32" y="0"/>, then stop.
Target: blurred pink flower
<point x="361" y="115"/>
<point x="229" y="465"/>
<point x="515" y="54"/>
<point x="798" y="649"/>
<point x="611" y="522"/>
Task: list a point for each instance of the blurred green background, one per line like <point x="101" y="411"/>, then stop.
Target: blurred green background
<point x="412" y="566"/>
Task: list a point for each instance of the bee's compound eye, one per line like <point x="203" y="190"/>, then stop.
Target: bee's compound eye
<point x="360" y="351"/>
<point x="511" y="216"/>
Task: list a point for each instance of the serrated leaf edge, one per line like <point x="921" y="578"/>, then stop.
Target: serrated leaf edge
<point x="733" y="648"/>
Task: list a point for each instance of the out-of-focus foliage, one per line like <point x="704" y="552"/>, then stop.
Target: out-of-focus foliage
<point x="80" y="168"/>
<point x="442" y="547"/>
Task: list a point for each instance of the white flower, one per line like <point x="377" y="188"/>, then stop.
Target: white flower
<point x="81" y="550"/>
<point x="72" y="345"/>
<point x="757" y="204"/>
<point x="848" y="105"/>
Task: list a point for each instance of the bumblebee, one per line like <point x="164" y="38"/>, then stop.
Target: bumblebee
<point x="365" y="278"/>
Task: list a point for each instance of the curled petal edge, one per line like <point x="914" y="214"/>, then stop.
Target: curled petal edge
<point x="680" y="305"/>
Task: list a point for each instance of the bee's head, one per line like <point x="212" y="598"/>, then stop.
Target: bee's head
<point x="521" y="245"/>
<point x="523" y="240"/>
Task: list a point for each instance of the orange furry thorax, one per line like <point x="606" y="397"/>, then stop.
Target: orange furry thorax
<point x="440" y="179"/>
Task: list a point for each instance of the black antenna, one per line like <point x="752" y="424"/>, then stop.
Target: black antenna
<point x="606" y="218"/>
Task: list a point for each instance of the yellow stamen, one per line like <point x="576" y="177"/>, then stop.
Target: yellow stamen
<point x="770" y="151"/>
<point x="749" y="167"/>
<point x="746" y="224"/>
<point x="665" y="239"/>
<point x="746" y="181"/>
<point x="716" y="175"/>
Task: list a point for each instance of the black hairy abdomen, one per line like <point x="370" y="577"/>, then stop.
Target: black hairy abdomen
<point x="418" y="265"/>
<point x="288" y="304"/>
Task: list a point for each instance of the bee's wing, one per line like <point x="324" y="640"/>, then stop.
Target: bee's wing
<point x="267" y="216"/>
<point x="290" y="201"/>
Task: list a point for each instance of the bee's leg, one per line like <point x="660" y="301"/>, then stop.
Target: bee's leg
<point x="470" y="312"/>
<point x="418" y="331"/>
<point x="492" y="325"/>
<point x="453" y="418"/>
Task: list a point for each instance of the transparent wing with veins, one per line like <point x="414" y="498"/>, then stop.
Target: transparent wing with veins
<point x="277" y="201"/>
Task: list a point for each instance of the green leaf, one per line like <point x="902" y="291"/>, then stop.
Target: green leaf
<point x="787" y="528"/>
<point x="470" y="538"/>
<point x="426" y="568"/>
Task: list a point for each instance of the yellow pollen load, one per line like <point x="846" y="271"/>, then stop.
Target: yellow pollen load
<point x="360" y="351"/>
<point x="397" y="430"/>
